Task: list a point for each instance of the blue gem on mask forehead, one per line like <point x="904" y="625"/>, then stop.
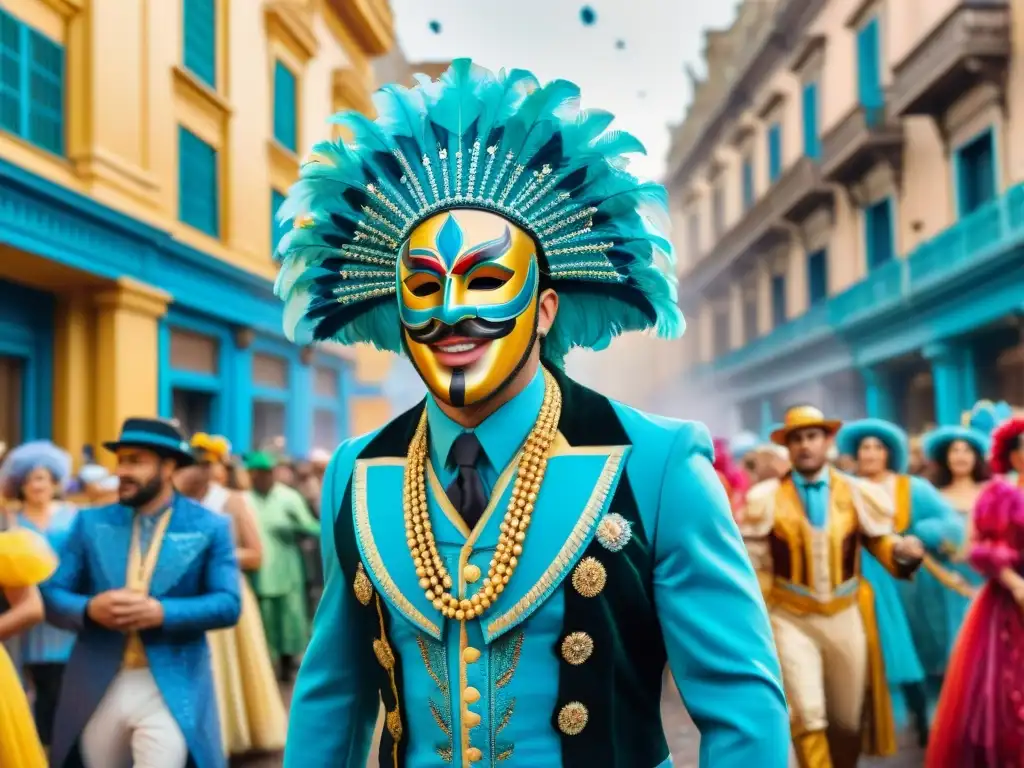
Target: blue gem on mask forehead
<point x="449" y="241"/>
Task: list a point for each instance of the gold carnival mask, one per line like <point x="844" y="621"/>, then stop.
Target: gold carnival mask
<point x="467" y="299"/>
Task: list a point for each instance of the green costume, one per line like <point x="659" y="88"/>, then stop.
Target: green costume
<point x="280" y="582"/>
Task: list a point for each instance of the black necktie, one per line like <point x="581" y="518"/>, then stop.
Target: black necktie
<point x="466" y="491"/>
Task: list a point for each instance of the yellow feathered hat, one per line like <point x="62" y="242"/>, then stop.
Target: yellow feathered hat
<point x="212" y="448"/>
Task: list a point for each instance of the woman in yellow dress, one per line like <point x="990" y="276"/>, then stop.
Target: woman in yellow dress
<point x="25" y="561"/>
<point x="252" y="714"/>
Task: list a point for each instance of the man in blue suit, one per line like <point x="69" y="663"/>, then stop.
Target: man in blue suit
<point x="511" y="564"/>
<point x="142" y="582"/>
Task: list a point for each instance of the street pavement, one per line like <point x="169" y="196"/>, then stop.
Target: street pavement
<point x="683" y="740"/>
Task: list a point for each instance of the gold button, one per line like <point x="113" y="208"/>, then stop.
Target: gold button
<point x="474" y="755"/>
<point x="471" y="573"/>
<point x="469" y="655"/>
<point x="471" y="695"/>
<point x="589" y="577"/>
<point x="577" y="647"/>
<point x="472" y="719"/>
<point x="572" y="718"/>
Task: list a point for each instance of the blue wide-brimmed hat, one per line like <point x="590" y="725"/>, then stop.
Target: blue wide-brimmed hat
<point x="163" y="437"/>
<point x="936" y="441"/>
<point x="21" y="461"/>
<point x="894" y="439"/>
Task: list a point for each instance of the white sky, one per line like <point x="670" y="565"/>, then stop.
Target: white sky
<point x="644" y="84"/>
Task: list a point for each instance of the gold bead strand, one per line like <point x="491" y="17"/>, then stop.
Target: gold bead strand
<point x="434" y="578"/>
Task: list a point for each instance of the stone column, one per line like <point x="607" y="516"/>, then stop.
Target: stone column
<point x="767" y="420"/>
<point x="878" y="396"/>
<point x="127" y="353"/>
<point x="953" y="378"/>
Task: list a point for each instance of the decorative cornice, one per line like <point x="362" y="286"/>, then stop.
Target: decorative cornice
<point x="292" y="25"/>
<point x="370" y="22"/>
<point x="811" y="46"/>
<point x="351" y="91"/>
<point x="66" y="8"/>
<point x="790" y="22"/>
<point x="770" y="103"/>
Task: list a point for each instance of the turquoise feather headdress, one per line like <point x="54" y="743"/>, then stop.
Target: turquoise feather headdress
<point x="475" y="139"/>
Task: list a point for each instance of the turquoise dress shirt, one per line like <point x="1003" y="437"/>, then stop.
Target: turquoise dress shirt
<point x="500" y="436"/>
<point x="814" y="493"/>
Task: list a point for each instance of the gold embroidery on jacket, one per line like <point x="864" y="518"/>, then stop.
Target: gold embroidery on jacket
<point x="433" y="657"/>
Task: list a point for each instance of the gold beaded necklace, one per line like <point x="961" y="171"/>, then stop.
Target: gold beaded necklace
<point x="433" y="576"/>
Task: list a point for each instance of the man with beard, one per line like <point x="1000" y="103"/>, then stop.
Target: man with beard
<point x="809" y="528"/>
<point x="141" y="582"/>
<point x="511" y="563"/>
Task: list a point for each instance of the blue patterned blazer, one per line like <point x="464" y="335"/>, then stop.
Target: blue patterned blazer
<point x="196" y="580"/>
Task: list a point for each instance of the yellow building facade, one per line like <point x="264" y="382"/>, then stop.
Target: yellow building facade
<point x="144" y="148"/>
<point x="849" y="212"/>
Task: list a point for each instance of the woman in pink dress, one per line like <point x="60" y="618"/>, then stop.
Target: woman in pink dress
<point x="980" y="718"/>
<point x="732" y="477"/>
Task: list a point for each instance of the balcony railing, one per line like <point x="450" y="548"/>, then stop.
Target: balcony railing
<point x="975" y="244"/>
<point x="970" y="45"/>
<point x="864" y="137"/>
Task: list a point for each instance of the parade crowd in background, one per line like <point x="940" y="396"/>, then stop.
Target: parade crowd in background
<point x="867" y="646"/>
<point x="272" y="505"/>
<point x="943" y="651"/>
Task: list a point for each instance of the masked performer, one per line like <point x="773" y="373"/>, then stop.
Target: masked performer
<point x="142" y="582"/>
<point x="980" y="719"/>
<point x="512" y="562"/>
<point x="811" y="527"/>
<point x="880" y="449"/>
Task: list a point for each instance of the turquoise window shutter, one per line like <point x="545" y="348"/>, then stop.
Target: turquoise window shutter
<point x="277" y="228"/>
<point x="869" y="66"/>
<point x="748" y="183"/>
<point x="812" y="141"/>
<point x="774" y="152"/>
<point x="285" y="107"/>
<point x="198" y="183"/>
<point x="200" y="26"/>
<point x="878" y="233"/>
<point x="12" y="92"/>
<point x="817" y="277"/>
<point x="778" y="300"/>
<point x="31" y="85"/>
<point x="976" y="174"/>
<point x="45" y="93"/>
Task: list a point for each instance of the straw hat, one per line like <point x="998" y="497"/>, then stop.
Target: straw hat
<point x="803" y="417"/>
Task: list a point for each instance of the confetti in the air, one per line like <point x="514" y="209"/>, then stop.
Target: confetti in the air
<point x="435" y="27"/>
<point x="587" y="15"/>
<point x="620" y="44"/>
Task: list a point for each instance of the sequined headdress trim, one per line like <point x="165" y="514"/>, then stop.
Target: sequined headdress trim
<point x="475" y="139"/>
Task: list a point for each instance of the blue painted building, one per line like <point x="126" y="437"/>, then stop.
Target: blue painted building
<point x="138" y="189"/>
<point x="878" y="267"/>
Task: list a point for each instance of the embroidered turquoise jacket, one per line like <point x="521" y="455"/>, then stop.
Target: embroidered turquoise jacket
<point x="632" y="559"/>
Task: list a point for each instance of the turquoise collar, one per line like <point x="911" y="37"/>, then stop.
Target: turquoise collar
<point x="501" y="434"/>
<point x="823" y="476"/>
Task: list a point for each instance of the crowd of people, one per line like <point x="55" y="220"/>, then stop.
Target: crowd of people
<point x="68" y="692"/>
<point x="943" y="648"/>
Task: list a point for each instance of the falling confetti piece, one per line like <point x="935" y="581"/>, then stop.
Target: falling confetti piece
<point x="642" y="94"/>
<point x="587" y="15"/>
<point x="435" y="27"/>
<point x="620" y="44"/>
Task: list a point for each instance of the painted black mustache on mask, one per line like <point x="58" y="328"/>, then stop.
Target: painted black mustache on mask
<point x="472" y="328"/>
